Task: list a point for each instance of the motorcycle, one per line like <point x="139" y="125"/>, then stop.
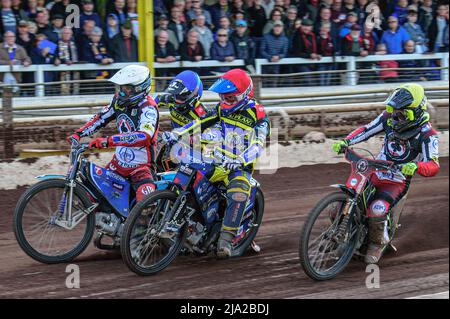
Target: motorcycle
<point x="336" y="229"/>
<point x="186" y="215"/>
<point x="55" y="219"/>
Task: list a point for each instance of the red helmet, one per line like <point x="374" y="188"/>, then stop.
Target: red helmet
<point x="235" y="88"/>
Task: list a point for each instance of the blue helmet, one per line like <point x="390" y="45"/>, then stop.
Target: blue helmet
<point x="186" y="89"/>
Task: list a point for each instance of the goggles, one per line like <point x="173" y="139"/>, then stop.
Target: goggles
<point x="402" y="115"/>
<point x="229" y="98"/>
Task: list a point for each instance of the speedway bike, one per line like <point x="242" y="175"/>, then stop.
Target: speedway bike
<point x="187" y="215"/>
<point x="55" y="219"/>
<point x="336" y="229"/>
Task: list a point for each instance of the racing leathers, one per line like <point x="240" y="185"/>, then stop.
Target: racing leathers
<point x="419" y="145"/>
<point x="180" y="118"/>
<point x="135" y="144"/>
<point x="242" y="135"/>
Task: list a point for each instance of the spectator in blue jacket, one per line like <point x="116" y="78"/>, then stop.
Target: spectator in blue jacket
<point x="223" y="49"/>
<point x="274" y="47"/>
<point x="395" y="37"/>
<point x="401" y="11"/>
<point x="95" y="50"/>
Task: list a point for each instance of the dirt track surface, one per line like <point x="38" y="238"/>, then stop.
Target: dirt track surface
<point x="421" y="265"/>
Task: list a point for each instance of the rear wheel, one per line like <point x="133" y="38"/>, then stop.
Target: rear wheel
<point x="39" y="215"/>
<point x="143" y="251"/>
<point x="328" y="238"/>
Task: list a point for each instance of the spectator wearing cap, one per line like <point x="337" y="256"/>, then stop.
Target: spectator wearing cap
<point x="163" y="25"/>
<point x="124" y="45"/>
<point x="426" y="15"/>
<point x="275" y="15"/>
<point x="205" y="36"/>
<point x="8" y="20"/>
<point x="176" y="25"/>
<point x="223" y="49"/>
<point x="438" y="30"/>
<point x="191" y="49"/>
<point x="326" y="48"/>
<point x="394" y="37"/>
<point x="401" y="11"/>
<point x="274" y="47"/>
<point x="112" y="27"/>
<point x="415" y="32"/>
<point x="243" y="43"/>
<point x="218" y="10"/>
<point x="88" y="13"/>
<point x="353" y="43"/>
<point x="196" y="10"/>
<point x="57" y="24"/>
<point x="24" y="37"/>
<point x="352" y="19"/>
<point x="12" y="54"/>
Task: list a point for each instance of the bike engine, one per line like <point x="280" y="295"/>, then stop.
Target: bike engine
<point x="109" y="224"/>
<point x="198" y="232"/>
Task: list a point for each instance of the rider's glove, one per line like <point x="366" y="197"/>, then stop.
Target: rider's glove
<point x="233" y="165"/>
<point x="99" y="142"/>
<point x="165" y="99"/>
<point x="339" y="146"/>
<point x="409" y="169"/>
<point x="169" y="137"/>
<point x="74" y="138"/>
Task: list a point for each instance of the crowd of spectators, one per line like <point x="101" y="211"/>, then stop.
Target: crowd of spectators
<point x="35" y="31"/>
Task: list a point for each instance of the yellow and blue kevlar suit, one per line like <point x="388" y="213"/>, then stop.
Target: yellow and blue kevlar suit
<point x="242" y="137"/>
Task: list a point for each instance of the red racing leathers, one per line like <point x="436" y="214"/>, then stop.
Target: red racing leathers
<point x="135" y="144"/>
<point x="420" y="146"/>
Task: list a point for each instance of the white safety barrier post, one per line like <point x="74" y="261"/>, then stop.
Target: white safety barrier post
<point x="39" y="78"/>
<point x="351" y="71"/>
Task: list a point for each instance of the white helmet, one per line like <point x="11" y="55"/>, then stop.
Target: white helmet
<point x="134" y="82"/>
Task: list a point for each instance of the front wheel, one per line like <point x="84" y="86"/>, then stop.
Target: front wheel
<point x="143" y="251"/>
<point x="39" y="220"/>
<point x="328" y="237"/>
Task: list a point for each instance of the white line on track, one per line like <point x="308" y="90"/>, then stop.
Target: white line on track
<point x="439" y="295"/>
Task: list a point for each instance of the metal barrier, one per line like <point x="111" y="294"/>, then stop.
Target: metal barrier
<point x="351" y="61"/>
<point x="39" y="69"/>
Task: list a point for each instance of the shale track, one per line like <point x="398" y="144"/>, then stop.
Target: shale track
<point x="421" y="265"/>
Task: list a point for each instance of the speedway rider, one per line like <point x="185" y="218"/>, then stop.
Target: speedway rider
<point x="243" y="126"/>
<point x="182" y="97"/>
<point x="410" y="142"/>
<point x="137" y="120"/>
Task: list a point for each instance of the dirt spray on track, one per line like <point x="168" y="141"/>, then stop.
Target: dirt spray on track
<point x="419" y="267"/>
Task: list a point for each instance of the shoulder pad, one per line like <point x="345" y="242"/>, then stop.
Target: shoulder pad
<point x="200" y="110"/>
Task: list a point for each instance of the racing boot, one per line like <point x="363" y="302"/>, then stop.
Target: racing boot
<point x="378" y="239"/>
<point x="224" y="245"/>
